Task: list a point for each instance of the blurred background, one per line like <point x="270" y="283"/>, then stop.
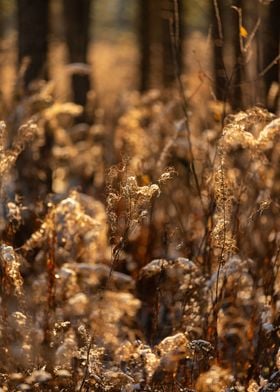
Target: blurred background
<point x="118" y="45"/>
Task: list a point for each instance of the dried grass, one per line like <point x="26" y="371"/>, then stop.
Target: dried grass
<point x="124" y="278"/>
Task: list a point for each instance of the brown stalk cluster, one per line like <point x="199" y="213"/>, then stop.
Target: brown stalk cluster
<point x="133" y="280"/>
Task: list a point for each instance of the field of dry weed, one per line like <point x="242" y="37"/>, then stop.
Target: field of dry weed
<point x="139" y="252"/>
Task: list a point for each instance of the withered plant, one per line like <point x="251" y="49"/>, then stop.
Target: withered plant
<point x="141" y="275"/>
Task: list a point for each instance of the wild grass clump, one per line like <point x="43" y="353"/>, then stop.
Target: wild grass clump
<point x="139" y="275"/>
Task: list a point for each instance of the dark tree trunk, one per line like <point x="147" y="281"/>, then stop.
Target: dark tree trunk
<point x="271" y="51"/>
<point x="32" y="37"/>
<point x="150" y="45"/>
<point x="252" y="24"/>
<point x="77" y="17"/>
<point x="172" y="40"/>
<point x="144" y="37"/>
<point x="236" y="97"/>
<point x="220" y="77"/>
<point x="160" y="46"/>
<point x="1" y="20"/>
<point x="33" y="17"/>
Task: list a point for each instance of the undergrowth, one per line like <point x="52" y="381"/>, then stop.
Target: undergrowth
<point x="138" y="276"/>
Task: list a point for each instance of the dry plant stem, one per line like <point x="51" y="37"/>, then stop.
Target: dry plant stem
<point x="222" y="122"/>
<point x="174" y="28"/>
<point x="155" y="313"/>
<point x="244" y="48"/>
<point x="179" y="216"/>
<point x="270" y="65"/>
<point x="149" y="245"/>
<point x="116" y="251"/>
<point x="196" y="90"/>
<point x="11" y="293"/>
<point x="275" y="267"/>
<point x="218" y="19"/>
<point x="221" y="260"/>
<point x="276" y="262"/>
<point x="49" y="316"/>
<point x="166" y="150"/>
<point x="261" y="74"/>
<point x="51" y="270"/>
<point x="252" y="35"/>
<point x="239" y="12"/>
<point x="86" y="370"/>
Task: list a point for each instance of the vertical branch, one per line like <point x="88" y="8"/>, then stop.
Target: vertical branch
<point x="240" y="25"/>
<point x="172" y="20"/>
<point x="173" y="29"/>
<point x="218" y="20"/>
<point x="51" y="269"/>
<point x="166" y="43"/>
<point x="238" y="69"/>
<point x="49" y="316"/>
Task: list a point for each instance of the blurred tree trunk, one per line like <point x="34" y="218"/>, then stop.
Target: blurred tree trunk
<point x="145" y="39"/>
<point x="271" y="49"/>
<point x="172" y="40"/>
<point x="32" y="37"/>
<point x="229" y="60"/>
<point x="220" y="77"/>
<point x="237" y="57"/>
<point x="262" y="13"/>
<point x="160" y="36"/>
<point x="251" y="22"/>
<point x="77" y="18"/>
<point x="181" y="36"/>
<point x="1" y="20"/>
<point x="150" y="48"/>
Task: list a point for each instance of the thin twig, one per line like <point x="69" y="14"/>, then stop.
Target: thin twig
<point x="239" y="13"/>
<point x="86" y="371"/>
<point x="174" y="27"/>
<point x="252" y="35"/>
<point x="219" y="20"/>
<point x="270" y="65"/>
